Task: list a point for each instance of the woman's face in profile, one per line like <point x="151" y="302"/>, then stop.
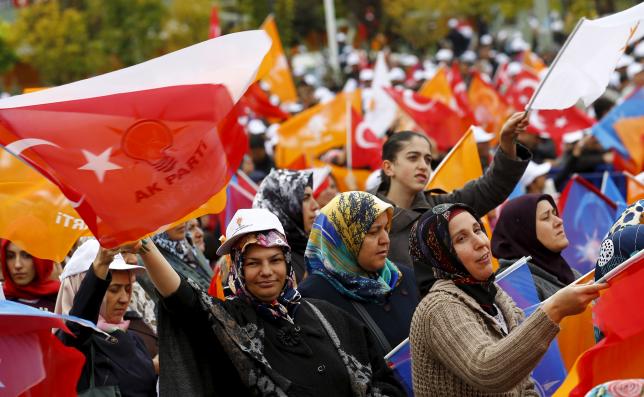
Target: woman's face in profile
<point x="549" y="227"/>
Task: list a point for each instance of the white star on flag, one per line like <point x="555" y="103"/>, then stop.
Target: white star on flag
<point x="561" y="122"/>
<point x="99" y="164"/>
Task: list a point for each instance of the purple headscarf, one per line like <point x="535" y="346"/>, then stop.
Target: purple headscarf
<point x="515" y="236"/>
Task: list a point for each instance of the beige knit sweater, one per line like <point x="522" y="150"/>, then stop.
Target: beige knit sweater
<point x="458" y="349"/>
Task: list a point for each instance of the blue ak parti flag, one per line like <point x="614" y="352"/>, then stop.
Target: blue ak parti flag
<point x="517" y="282"/>
<point x="587" y="216"/>
<point x="604" y="130"/>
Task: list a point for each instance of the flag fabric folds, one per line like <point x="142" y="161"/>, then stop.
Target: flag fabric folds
<point x="275" y="72"/>
<point x="399" y="360"/>
<point x="583" y="66"/>
<point x="366" y="148"/>
<point x="620" y="354"/>
<point x="490" y="109"/>
<point x="39" y="364"/>
<point x="605" y="130"/>
<point x="437" y="120"/>
<point x="34" y="213"/>
<point x="630" y="130"/>
<point x="141" y="147"/>
<point x="519" y="284"/>
<point x="557" y="122"/>
<point x="380" y="113"/>
<point x="634" y="189"/>
<point x="587" y="216"/>
<point x="315" y="130"/>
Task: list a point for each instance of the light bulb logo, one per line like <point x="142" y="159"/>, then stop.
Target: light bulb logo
<point x="148" y="140"/>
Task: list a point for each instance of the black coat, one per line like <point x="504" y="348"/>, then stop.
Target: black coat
<point x="197" y="363"/>
<point x="393" y="317"/>
<point x="122" y="359"/>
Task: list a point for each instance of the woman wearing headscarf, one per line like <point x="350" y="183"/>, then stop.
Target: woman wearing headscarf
<point x="120" y="362"/>
<point x="347" y="263"/>
<point x="467" y="337"/>
<point x="265" y="340"/>
<point x="141" y="309"/>
<point x="530" y="225"/>
<point x="289" y="195"/>
<point x="184" y="257"/>
<point x="27" y="278"/>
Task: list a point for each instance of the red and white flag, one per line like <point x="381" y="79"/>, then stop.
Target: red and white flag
<point x="366" y="148"/>
<point x="139" y="148"/>
<point x="436" y="119"/>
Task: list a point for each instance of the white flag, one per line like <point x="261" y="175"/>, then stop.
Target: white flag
<point x="382" y="114"/>
<point x="583" y="66"/>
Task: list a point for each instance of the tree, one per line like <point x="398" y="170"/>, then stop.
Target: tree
<point x="187" y="24"/>
<point x="7" y="54"/>
<point x="55" y="42"/>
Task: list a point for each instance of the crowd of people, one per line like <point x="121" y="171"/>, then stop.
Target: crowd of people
<point x="320" y="285"/>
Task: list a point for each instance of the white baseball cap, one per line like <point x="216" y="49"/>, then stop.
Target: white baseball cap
<point x="572" y="137"/>
<point x="246" y="221"/>
<point x="444" y="55"/>
<point x="534" y="171"/>
<point x="84" y="256"/>
<point x="480" y="135"/>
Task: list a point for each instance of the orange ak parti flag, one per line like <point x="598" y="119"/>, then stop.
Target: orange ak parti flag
<point x="33" y="213"/>
<point x="438" y="88"/>
<point x="490" y="109"/>
<point x="634" y="189"/>
<point x="460" y="166"/>
<point x="631" y="131"/>
<point x="164" y="138"/>
<point x="620" y="354"/>
<point x="275" y="66"/>
<point x="314" y="131"/>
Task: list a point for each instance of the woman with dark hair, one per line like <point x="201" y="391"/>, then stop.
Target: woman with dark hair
<point x="468" y="338"/>
<point x="289" y="195"/>
<point x="347" y="262"/>
<point x="530" y="225"/>
<point x="406" y="169"/>
<point x="26" y="278"/>
<point x="265" y="340"/>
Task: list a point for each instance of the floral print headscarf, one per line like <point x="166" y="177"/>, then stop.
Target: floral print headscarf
<point x="335" y="242"/>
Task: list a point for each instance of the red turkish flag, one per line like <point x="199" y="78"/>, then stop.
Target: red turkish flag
<point x="557" y="122"/>
<point x="256" y="101"/>
<point x="437" y="120"/>
<point x="366" y="148"/>
<point x="140" y="148"/>
<point x="459" y="88"/>
<point x="214" y="29"/>
<point x="523" y="85"/>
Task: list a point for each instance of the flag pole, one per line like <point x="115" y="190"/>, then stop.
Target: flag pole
<point x="348" y="128"/>
<point x="554" y="63"/>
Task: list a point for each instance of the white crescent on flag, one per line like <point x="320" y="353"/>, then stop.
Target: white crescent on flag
<point x="361" y="128"/>
<point x="201" y="63"/>
<point x="408" y="99"/>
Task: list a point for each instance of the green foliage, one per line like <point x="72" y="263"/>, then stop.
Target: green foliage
<point x="7" y="54"/>
<point x="55" y="42"/>
<point x="188" y="24"/>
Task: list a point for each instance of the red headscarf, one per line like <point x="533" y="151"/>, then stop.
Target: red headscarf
<point x="40" y="286"/>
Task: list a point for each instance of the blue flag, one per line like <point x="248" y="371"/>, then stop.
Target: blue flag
<point x="517" y="282"/>
<point x="399" y="360"/>
<point x="610" y="190"/>
<point x="604" y="130"/>
<point x="587" y="215"/>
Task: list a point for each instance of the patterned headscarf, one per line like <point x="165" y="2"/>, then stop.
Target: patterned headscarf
<point x="625" y="239"/>
<point x="334" y="245"/>
<point x="281" y="192"/>
<point x="431" y="245"/>
<point x="288" y="300"/>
